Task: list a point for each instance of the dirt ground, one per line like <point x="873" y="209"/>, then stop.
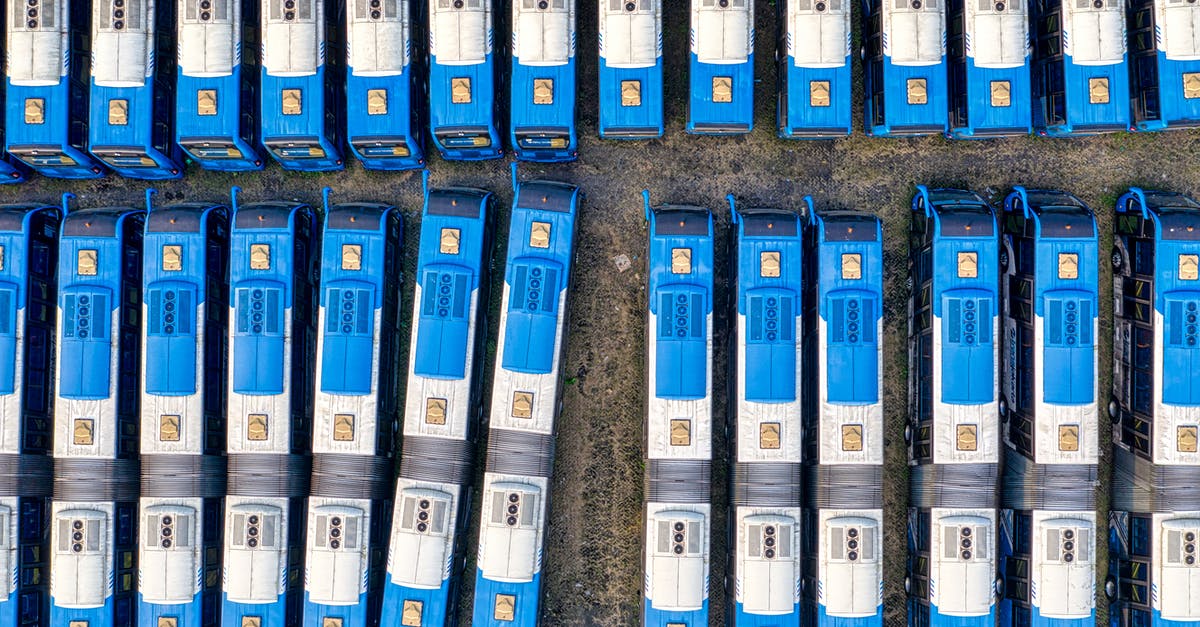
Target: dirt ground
<point x="592" y="564"/>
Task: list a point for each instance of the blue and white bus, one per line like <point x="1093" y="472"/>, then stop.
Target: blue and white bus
<point x="463" y="80"/>
<point x="93" y="518"/>
<point x="525" y="403"/>
<point x="132" y="107"/>
<point x="302" y="104"/>
<point x="1164" y="64"/>
<point x="273" y="266"/>
<point x="679" y="417"/>
<point x="442" y="409"/>
<point x="541" y="114"/>
<point x="1049" y="257"/>
<point x="216" y="86"/>
<point x="1080" y="71"/>
<point x="721" y="70"/>
<point x="953" y="431"/>
<point x="182" y="413"/>
<point x="1155" y="519"/>
<point x="356" y="403"/>
<point x="904" y="67"/>
<point x="988" y="60"/>
<point x="814" y="69"/>
<point x="765" y="415"/>
<point x="384" y="79"/>
<point x="631" y="70"/>
<point x="46" y="84"/>
<point x="842" y="526"/>
<point x="29" y="239"/>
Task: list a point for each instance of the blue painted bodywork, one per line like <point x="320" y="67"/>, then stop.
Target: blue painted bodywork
<point x="681" y="303"/>
<point x="1156" y="82"/>
<point x="525" y="606"/>
<point x="707" y="117"/>
<point x="796" y="115"/>
<point x="543" y="132"/>
<point x="886" y="110"/>
<point x="660" y="618"/>
<point x="983" y="118"/>
<point x="299" y="141"/>
<point x="643" y="120"/>
<point x="465" y="131"/>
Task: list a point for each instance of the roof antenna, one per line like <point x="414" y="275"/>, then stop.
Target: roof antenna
<point x="233" y="194"/>
<point x="150" y="192"/>
<point x="646" y="202"/>
<point x="67" y="197"/>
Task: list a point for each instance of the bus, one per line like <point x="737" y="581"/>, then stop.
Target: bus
<point x="28" y="287"/>
<point x="679" y="323"/>
<point x="721" y="67"/>
<point x="1164" y="64"/>
<point x="1081" y="82"/>
<point x="216" y="85"/>
<point x="358" y="344"/>
<point x="442" y="410"/>
<point x="46" y="85"/>
<point x="988" y="58"/>
<point x="953" y="431"/>
<point x="1049" y="254"/>
<point x="526" y="400"/>
<point x="765" y="418"/>
<point x="463" y="80"/>
<point x="1155" y="406"/>
<point x="385" y="73"/>
<point x="631" y="70"/>
<point x="904" y="67"/>
<point x="182" y="413"/>
<point x="302" y="104"/>
<point x="132" y="106"/>
<point x="273" y="266"/>
<point x="93" y="516"/>
<point x="814" y="69"/>
<point x="841" y="544"/>
<point x="542" y="81"/>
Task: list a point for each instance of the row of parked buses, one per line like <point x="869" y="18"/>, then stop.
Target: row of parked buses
<point x="248" y="360"/>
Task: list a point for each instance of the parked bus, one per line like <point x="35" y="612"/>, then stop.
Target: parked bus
<point x="442" y="409"/>
<point x="542" y="80"/>
<point x="988" y="60"/>
<point x="1155" y="406"/>
<point x="904" y="67"/>
<point x="182" y="413"/>
<point x="1164" y="64"/>
<point x="1049" y="253"/>
<point x="463" y="80"/>
<point x="631" y="71"/>
<point x="842" y="523"/>
<point x="721" y="71"/>
<point x="678" y="531"/>
<point x="765" y="418"/>
<point x="953" y="431"/>
<point x="814" y="69"/>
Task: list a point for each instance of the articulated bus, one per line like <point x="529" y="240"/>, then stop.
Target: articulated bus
<point x="631" y="71"/>
<point x="988" y="56"/>
<point x="182" y="413"/>
<point x="302" y="104"/>
<point x="443" y="407"/>
<point x="46" y="85"/>
<point x="814" y="69"/>
<point x="525" y="402"/>
<point x="1153" y="574"/>
<point x="463" y="80"/>
<point x="904" y="67"/>
<point x="542" y="81"/>
<point x="93" y="533"/>
<point x="216" y="86"/>
<point x="841" y="543"/>
<point x="385" y="72"/>
<point x="1080" y="81"/>
<point x="1049" y="255"/>
<point x="765" y="416"/>
<point x="273" y="266"/>
<point x="679" y="418"/>
<point x="953" y="433"/>
<point x="132" y="106"/>
<point x="28" y="288"/>
<point x="358" y="344"/>
<point x="721" y="71"/>
<point x="1164" y="64"/>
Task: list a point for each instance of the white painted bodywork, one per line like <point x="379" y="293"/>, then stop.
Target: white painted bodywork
<point x="914" y="36"/>
<point x="170" y="575"/>
<point x="1164" y="448"/>
<point x="416" y="558"/>
<point x="378" y="47"/>
<point x="1094" y="36"/>
<point x="460" y="36"/>
<point x="337" y="576"/>
<point x="1177" y="25"/>
<point x="213" y="47"/>
<point x="255" y="574"/>
<point x="102" y="412"/>
<point x="11" y="416"/>
<point x="38" y="57"/>
<point x="363" y="407"/>
<point x="677" y="582"/>
<point x="8" y="546"/>
<point x="819" y="39"/>
<point x="960" y="586"/>
<point x="985" y="416"/>
<point x="189" y="408"/>
<point x="834" y="415"/>
<point x="125" y="57"/>
<point x="630" y="39"/>
<point x="768" y="586"/>
<point x="1178" y="599"/>
<point x="722" y="36"/>
<point x="1062" y="589"/>
<point x="998" y="38"/>
<point x="543" y="37"/>
<point x="512" y="553"/>
<point x="850" y="589"/>
<point x="83" y="579"/>
<point x="296" y="47"/>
